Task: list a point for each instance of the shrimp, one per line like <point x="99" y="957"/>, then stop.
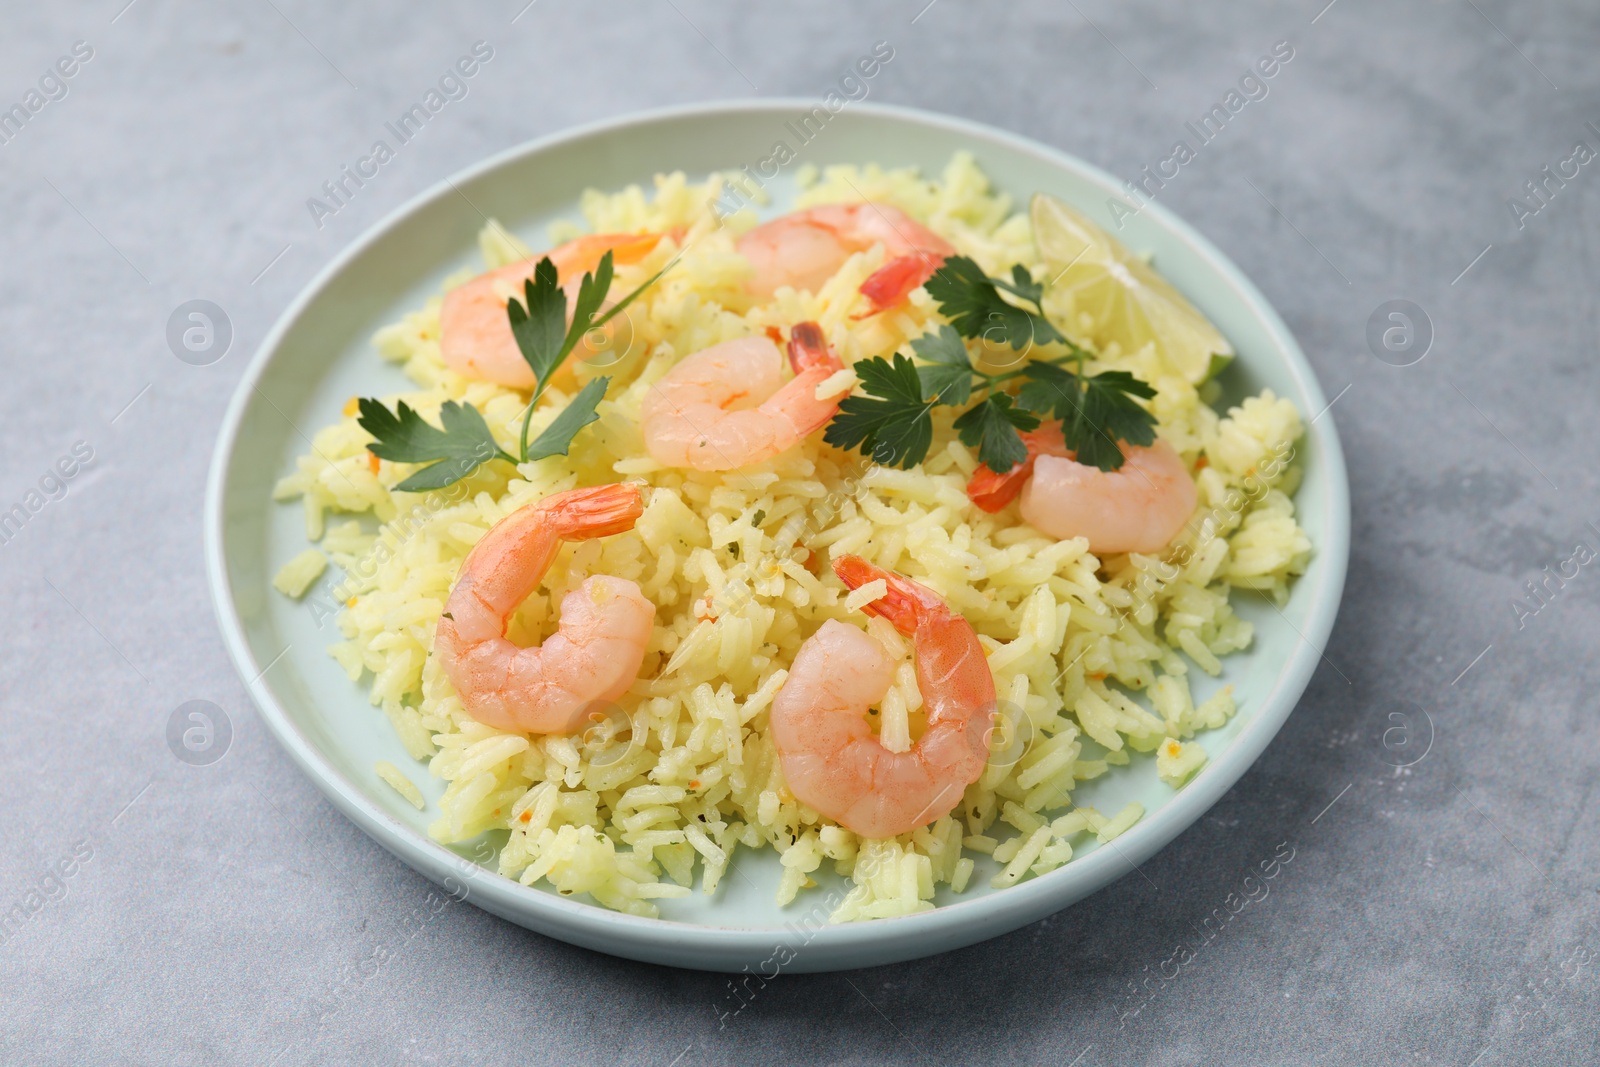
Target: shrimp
<point x="474" y="331"/>
<point x="805" y="248"/>
<point x="830" y="758"/>
<point x="991" y="492"/>
<point x="595" y="654"/>
<point x="1140" y="507"/>
<point x="700" y="415"/>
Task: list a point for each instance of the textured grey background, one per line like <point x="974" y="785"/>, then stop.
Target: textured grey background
<point x="1439" y="913"/>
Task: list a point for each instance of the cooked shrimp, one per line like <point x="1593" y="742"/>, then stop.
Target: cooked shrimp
<point x="727" y="406"/>
<point x="805" y="248"/>
<point x="595" y="654"/>
<point x="830" y="758"/>
<point x="1140" y="507"/>
<point x="991" y="492"/>
<point x="897" y="279"/>
<point x="474" y="331"/>
<point x="1137" y="508"/>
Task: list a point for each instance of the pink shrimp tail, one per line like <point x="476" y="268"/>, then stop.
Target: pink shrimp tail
<point x="907" y="604"/>
<point x="991" y="492"/>
<point x="595" y="511"/>
<point x="809" y="348"/>
<point x="896" y="279"/>
<point x="811" y="358"/>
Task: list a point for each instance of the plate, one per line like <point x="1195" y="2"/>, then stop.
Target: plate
<point x="319" y="354"/>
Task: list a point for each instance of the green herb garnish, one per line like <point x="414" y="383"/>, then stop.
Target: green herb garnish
<point x="458" y="449"/>
<point x="546" y="339"/>
<point x="948" y="375"/>
<point x="971" y="300"/>
<point x="1096" y="411"/>
<point x="557" y="437"/>
<point x="893" y="423"/>
<point x="991" y="427"/>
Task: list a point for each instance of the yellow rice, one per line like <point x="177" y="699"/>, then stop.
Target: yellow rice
<point x="1091" y="657"/>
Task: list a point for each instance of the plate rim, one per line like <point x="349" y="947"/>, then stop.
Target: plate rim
<point x="943" y="928"/>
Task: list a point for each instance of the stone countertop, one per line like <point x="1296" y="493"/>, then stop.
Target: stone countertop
<point x="1438" y="912"/>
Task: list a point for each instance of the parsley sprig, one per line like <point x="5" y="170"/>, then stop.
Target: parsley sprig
<point x="463" y="442"/>
<point x="1096" y="410"/>
<point x="971" y="300"/>
<point x="893" y="423"/>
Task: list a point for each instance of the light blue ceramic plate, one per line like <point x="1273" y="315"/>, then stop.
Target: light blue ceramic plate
<point x="319" y="354"/>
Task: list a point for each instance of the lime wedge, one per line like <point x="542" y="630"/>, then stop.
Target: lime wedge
<point x="1113" y="295"/>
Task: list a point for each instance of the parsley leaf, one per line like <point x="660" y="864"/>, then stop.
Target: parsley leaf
<point x="1096" y="411"/>
<point x="892" y="424"/>
<point x="540" y="327"/>
<point x="542" y="331"/>
<point x="557" y="437"/>
<point x="453" y="452"/>
<point x="991" y="427"/>
<point x="1022" y="284"/>
<point x="591" y="294"/>
<point x="546" y="338"/>
<point x="971" y="300"/>
<point x="949" y="378"/>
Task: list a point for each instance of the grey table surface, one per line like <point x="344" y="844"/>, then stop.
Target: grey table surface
<point x="1441" y="902"/>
